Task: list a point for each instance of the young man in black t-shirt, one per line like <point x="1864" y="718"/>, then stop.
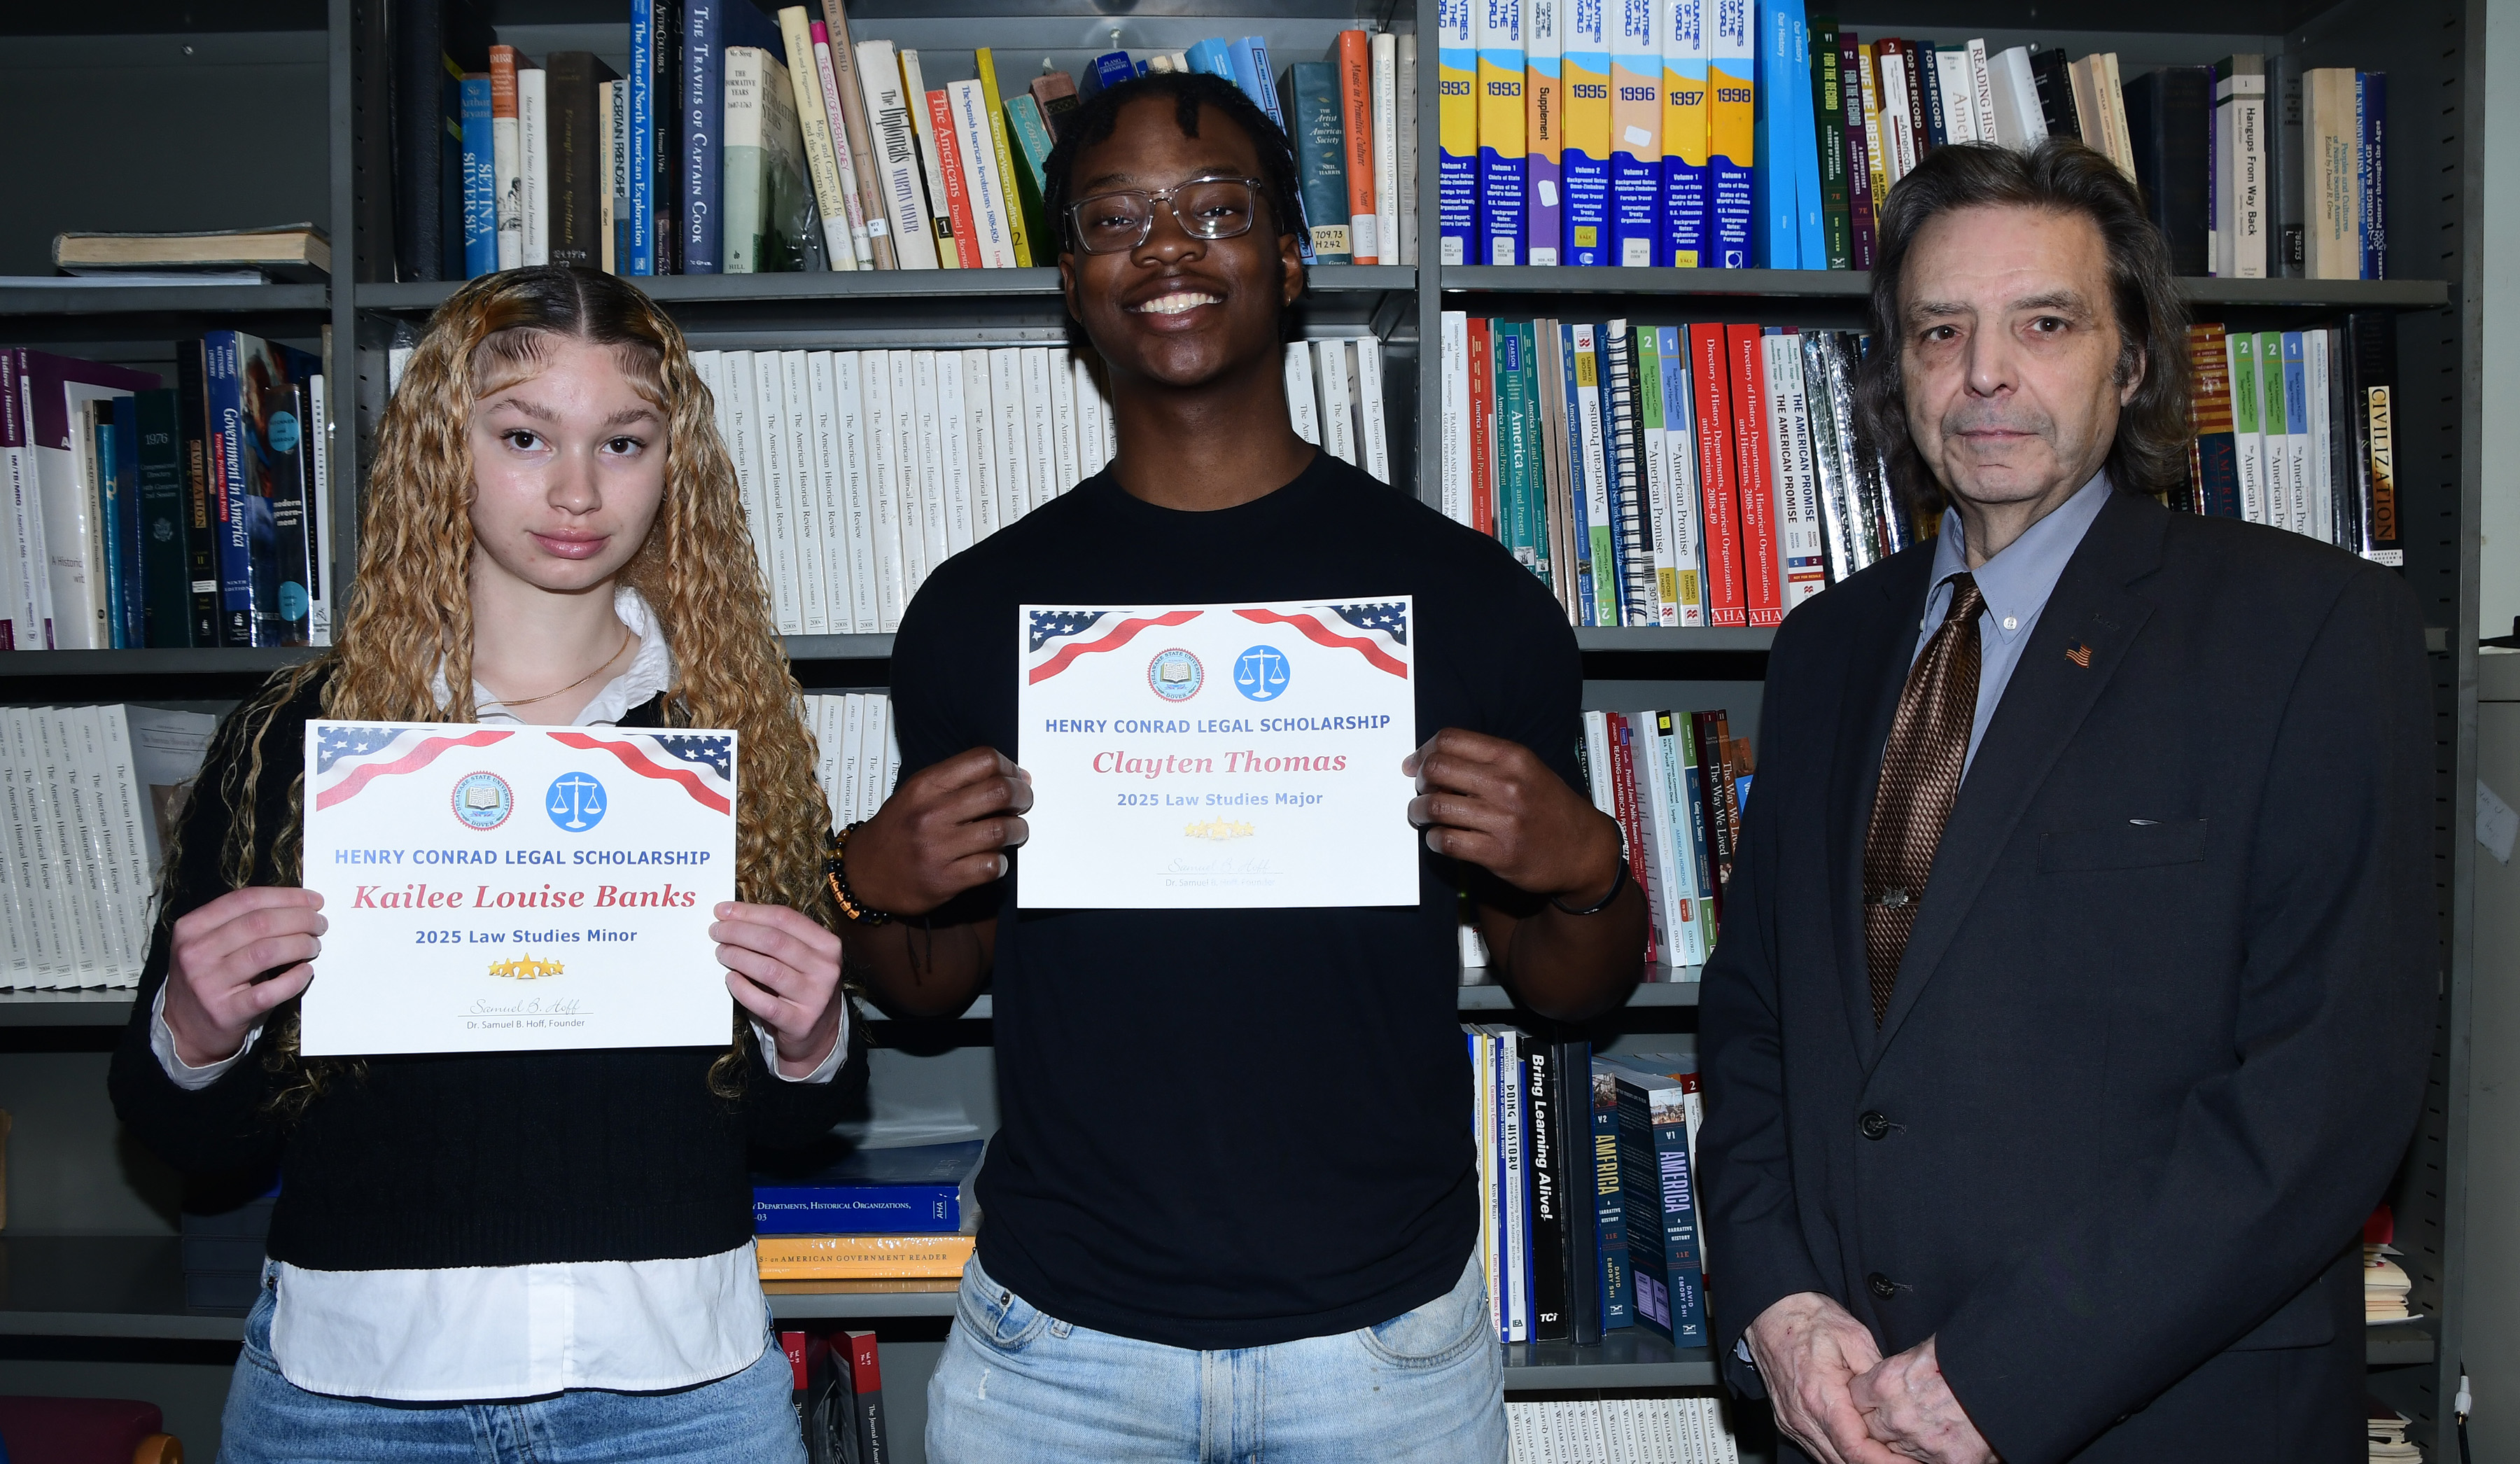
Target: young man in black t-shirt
<point x="1233" y="1199"/>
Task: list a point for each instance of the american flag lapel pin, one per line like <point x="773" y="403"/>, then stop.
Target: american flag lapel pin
<point x="2080" y="654"/>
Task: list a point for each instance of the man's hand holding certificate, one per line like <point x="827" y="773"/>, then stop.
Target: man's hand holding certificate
<point x="501" y="889"/>
<point x="1218" y="755"/>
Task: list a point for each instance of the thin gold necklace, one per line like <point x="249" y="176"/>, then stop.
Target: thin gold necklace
<point x="627" y="639"/>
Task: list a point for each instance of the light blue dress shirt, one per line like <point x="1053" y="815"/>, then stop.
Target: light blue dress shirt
<point x="2015" y="585"/>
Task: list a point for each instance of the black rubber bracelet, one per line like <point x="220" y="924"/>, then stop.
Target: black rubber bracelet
<point x="1618" y="882"/>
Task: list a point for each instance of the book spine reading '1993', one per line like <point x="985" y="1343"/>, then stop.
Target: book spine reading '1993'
<point x="1498" y="239"/>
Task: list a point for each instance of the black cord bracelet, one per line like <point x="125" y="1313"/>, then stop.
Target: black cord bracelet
<point x="1618" y="882"/>
<point x="856" y="910"/>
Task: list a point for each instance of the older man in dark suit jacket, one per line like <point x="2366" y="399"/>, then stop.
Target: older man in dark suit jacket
<point x="2077" y="973"/>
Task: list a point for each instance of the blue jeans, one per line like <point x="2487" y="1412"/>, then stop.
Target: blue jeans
<point x="1018" y="1387"/>
<point x="747" y="1418"/>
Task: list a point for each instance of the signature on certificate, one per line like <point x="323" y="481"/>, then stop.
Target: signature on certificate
<point x="530" y="1006"/>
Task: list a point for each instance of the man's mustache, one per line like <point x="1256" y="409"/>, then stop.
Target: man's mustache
<point x="1958" y="423"/>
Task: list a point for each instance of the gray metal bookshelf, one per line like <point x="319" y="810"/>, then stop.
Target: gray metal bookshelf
<point x="99" y="1278"/>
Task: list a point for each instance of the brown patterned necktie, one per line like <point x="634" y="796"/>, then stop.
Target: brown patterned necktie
<point x="1920" y="776"/>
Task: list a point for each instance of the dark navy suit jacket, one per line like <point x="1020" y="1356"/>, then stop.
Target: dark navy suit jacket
<point x="2160" y="1031"/>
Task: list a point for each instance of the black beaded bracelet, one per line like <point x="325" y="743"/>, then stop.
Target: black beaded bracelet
<point x="1618" y="882"/>
<point x="856" y="910"/>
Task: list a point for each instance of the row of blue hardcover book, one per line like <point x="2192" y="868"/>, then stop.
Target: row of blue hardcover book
<point x="1587" y="1167"/>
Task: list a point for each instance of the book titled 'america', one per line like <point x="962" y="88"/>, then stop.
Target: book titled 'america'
<point x="923" y="1189"/>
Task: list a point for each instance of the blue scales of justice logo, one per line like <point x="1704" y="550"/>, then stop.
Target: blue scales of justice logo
<point x="1261" y="674"/>
<point x="575" y="801"/>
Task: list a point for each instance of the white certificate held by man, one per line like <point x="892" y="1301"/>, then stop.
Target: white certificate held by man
<point x="1217" y="756"/>
<point x="506" y="889"/>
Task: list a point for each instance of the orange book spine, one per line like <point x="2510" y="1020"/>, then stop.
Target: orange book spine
<point x="1763" y="589"/>
<point x="1482" y="428"/>
<point x="1356" y="112"/>
<point x="1710" y="370"/>
<point x="858" y="1258"/>
<point x="949" y="161"/>
<point x="502" y="83"/>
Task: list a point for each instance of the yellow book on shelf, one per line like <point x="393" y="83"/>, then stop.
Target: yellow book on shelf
<point x="853" y="1257"/>
<point x="988" y="68"/>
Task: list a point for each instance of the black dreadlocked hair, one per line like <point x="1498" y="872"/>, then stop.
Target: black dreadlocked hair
<point x="1093" y="122"/>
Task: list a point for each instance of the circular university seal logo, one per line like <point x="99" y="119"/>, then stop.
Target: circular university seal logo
<point x="1261" y="672"/>
<point x="575" y="801"/>
<point x="482" y="801"/>
<point x="1176" y="675"/>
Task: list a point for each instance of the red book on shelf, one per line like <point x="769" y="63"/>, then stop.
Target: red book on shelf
<point x="858" y="1351"/>
<point x="1356" y="109"/>
<point x="949" y="161"/>
<point x="1632" y="829"/>
<point x="1710" y="372"/>
<point x="1055" y="92"/>
<point x="1482" y="444"/>
<point x="1754" y="466"/>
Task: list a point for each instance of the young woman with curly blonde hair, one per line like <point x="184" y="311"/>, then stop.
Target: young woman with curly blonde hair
<point x="543" y="1254"/>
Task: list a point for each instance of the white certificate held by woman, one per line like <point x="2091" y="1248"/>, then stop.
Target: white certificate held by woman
<point x="497" y="888"/>
<point x="1211" y="756"/>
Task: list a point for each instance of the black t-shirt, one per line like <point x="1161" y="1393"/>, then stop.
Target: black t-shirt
<point x="1225" y="1128"/>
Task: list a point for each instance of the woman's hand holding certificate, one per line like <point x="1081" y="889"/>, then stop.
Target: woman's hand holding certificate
<point x="234" y="959"/>
<point x="786" y="971"/>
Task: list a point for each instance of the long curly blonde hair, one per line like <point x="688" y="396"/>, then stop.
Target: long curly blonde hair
<point x="410" y="610"/>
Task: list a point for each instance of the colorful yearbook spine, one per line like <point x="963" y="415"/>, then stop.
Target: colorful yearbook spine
<point x="1544" y="130"/>
<point x="1732" y="121"/>
<point x="1500" y="132"/>
<point x="1809" y="193"/>
<point x="1457" y="116"/>
<point x="1829" y="124"/>
<point x="1636" y="135"/>
<point x="1585" y="171"/>
<point x="1777" y="237"/>
<point x="1683" y="133"/>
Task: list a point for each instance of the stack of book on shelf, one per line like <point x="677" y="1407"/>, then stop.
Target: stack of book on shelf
<point x="863" y="471"/>
<point x="881" y="1219"/>
<point x="1676" y="782"/>
<point x="1700" y="475"/>
<point x="2295" y="429"/>
<point x="1588" y="1216"/>
<point x="2386" y="1433"/>
<point x="1622" y="1431"/>
<point x="1696" y="134"/>
<point x="134" y="515"/>
<point x="283" y="252"/>
<point x="223" y="1255"/>
<point x="859" y="755"/>
<point x="88" y="796"/>
<point x="2386" y="1284"/>
<point x="838" y="1395"/>
<point x="1335" y="394"/>
<point x="741" y="143"/>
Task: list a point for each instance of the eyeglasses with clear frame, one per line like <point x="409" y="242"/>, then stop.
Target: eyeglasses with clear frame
<point x="1112" y="223"/>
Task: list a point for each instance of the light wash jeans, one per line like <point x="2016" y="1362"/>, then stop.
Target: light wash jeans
<point x="1018" y="1387"/>
<point x="748" y="1418"/>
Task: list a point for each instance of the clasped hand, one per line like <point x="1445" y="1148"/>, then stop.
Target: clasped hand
<point x="1844" y="1403"/>
<point x="237" y="957"/>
